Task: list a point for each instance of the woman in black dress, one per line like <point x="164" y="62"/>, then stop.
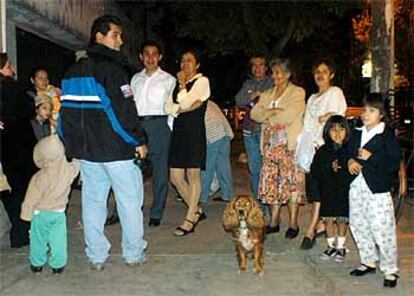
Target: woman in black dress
<point x="188" y="139"/>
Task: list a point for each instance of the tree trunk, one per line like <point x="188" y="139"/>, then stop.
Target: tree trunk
<point x="382" y="48"/>
<point x="254" y="34"/>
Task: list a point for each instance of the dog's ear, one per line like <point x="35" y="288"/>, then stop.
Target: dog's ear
<point x="230" y="217"/>
<point x="255" y="218"/>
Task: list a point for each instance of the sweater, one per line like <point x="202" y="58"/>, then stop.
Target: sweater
<point x="380" y="169"/>
<point x="331" y="187"/>
<point x="292" y="101"/>
<point x="244" y="100"/>
<point x="49" y="188"/>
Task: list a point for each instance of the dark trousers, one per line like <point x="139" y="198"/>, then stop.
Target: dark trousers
<point x="19" y="232"/>
<point x="158" y="140"/>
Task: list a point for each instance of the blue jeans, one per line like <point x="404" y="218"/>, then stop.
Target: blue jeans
<point x="254" y="159"/>
<point x="125" y="178"/>
<point x="218" y="160"/>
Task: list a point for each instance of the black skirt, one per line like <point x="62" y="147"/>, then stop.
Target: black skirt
<point x="188" y="140"/>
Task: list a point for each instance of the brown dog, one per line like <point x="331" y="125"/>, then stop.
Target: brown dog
<point x="244" y="219"/>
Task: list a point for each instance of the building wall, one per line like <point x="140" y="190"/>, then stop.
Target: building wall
<point x="62" y="22"/>
<point x="2" y="25"/>
<point x="75" y="16"/>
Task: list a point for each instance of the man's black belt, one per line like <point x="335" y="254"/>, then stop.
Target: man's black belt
<point x="151" y="117"/>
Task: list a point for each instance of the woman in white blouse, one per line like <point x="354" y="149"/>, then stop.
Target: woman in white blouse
<point x="188" y="140"/>
<point x="329" y="100"/>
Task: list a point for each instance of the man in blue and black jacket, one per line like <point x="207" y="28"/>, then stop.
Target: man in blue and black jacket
<point x="99" y="125"/>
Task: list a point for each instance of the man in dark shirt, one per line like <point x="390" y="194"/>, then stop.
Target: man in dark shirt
<point x="246" y="98"/>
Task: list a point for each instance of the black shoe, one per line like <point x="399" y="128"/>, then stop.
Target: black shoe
<point x="362" y="270"/>
<point x="112" y="220"/>
<point x="36" y="269"/>
<point x="291" y="233"/>
<point x="329" y="253"/>
<point x="307" y="243"/>
<point x="58" y="271"/>
<point x="154" y="222"/>
<point x="391" y="281"/>
<point x="269" y="229"/>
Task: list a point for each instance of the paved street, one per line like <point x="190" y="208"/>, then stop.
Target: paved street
<point x="204" y="263"/>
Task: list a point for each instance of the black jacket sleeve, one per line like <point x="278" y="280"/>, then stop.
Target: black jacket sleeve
<point x="120" y="92"/>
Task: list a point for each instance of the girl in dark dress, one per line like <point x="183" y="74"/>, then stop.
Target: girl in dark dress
<point x="188" y="139"/>
<point x="332" y="180"/>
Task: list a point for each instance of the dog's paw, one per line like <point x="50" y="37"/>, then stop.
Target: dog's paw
<point x="241" y="271"/>
<point x="258" y="272"/>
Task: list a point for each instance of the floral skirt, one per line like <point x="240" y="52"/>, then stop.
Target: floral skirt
<point x="280" y="179"/>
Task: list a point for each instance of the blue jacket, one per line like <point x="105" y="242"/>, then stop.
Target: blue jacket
<point x="98" y="120"/>
<point x="380" y="170"/>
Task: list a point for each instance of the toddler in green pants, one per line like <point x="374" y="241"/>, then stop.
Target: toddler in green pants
<point x="45" y="203"/>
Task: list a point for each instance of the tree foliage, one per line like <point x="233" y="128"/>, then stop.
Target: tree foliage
<point x="404" y="34"/>
<point x="248" y="27"/>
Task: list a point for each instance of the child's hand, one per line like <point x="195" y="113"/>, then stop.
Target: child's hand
<point x="335" y="166"/>
<point x="363" y="154"/>
<point x="354" y="167"/>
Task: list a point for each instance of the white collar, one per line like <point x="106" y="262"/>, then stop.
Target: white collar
<point x="144" y="74"/>
<point x="378" y="129"/>
<point x="195" y="77"/>
<point x="368" y="135"/>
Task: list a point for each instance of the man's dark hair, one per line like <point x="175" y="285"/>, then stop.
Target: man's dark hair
<point x="101" y="24"/>
<point x="257" y="55"/>
<point x="150" y="43"/>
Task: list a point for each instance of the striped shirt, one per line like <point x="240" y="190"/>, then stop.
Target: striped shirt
<point x="217" y="126"/>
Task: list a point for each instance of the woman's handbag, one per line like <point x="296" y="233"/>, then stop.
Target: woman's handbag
<point x="305" y="150"/>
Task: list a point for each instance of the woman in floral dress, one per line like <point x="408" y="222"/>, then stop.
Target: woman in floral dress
<point x="280" y="110"/>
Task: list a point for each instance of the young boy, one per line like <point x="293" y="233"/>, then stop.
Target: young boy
<point x="45" y="202"/>
<point x="43" y="124"/>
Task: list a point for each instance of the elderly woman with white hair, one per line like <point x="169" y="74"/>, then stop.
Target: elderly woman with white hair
<point x="280" y="111"/>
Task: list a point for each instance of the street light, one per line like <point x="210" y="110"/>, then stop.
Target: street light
<point x="367" y="66"/>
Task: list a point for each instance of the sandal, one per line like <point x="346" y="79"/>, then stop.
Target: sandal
<point x="201" y="216"/>
<point x="184" y="232"/>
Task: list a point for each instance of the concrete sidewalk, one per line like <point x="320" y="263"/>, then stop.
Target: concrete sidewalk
<point x="204" y="262"/>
